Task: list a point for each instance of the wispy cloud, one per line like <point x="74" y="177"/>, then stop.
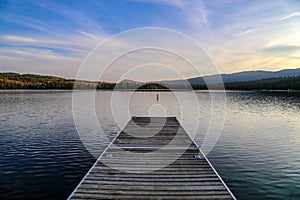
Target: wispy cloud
<point x="176" y="3"/>
<point x="56" y="42"/>
<point x="281" y="49"/>
<point x="75" y="44"/>
<point x="31" y="60"/>
<point x="246" y="32"/>
<point x="85" y="22"/>
<point x="51" y="56"/>
<point x="295" y="14"/>
<point x="75" y="20"/>
<point x="27" y="22"/>
<point x="195" y="10"/>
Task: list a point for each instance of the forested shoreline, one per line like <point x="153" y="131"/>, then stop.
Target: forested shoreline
<point x="32" y="81"/>
<point x="281" y="83"/>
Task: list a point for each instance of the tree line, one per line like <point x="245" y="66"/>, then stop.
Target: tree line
<point x="281" y="83"/>
<point x="31" y="81"/>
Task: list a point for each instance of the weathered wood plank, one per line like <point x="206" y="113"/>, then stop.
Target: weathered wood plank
<point x="128" y="170"/>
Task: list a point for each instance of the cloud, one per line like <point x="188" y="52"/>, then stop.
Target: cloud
<point x="281" y="49"/>
<point x="45" y="56"/>
<point x="31" y="60"/>
<point x="175" y="3"/>
<point x="28" y="22"/>
<point x="54" y="43"/>
<point x="246" y="32"/>
<point x="84" y="21"/>
<point x="55" y="20"/>
<point x="295" y="14"/>
<point x="32" y="53"/>
<point x="78" y="45"/>
<point x="195" y="10"/>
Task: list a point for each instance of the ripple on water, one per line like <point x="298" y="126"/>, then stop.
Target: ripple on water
<point x="42" y="157"/>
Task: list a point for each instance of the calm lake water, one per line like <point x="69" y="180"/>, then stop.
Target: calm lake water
<point x="42" y="156"/>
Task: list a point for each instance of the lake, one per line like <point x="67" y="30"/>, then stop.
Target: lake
<point x="43" y="157"/>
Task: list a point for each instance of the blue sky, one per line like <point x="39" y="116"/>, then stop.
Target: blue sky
<point x="53" y="37"/>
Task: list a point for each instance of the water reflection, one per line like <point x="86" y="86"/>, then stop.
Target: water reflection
<point x="258" y="153"/>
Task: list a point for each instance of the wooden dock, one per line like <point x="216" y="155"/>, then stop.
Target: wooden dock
<point x="152" y="158"/>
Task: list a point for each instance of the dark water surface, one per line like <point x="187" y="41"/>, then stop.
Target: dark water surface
<point x="42" y="156"/>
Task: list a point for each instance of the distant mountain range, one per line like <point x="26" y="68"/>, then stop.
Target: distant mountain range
<point x="248" y="80"/>
<point x="238" y="77"/>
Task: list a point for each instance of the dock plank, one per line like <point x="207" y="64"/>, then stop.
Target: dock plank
<point x="128" y="168"/>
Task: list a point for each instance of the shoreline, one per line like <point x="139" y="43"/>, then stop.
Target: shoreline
<point x="162" y="90"/>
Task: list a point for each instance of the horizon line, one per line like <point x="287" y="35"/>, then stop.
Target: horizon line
<point x="147" y="81"/>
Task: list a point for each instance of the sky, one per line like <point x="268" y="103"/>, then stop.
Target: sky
<point x="54" y="37"/>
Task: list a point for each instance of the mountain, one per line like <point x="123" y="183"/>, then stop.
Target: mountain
<point x="238" y="77"/>
<point x="125" y="81"/>
<point x="281" y="83"/>
<point x="249" y="80"/>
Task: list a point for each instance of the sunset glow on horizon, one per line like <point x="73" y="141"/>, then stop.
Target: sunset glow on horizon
<point x="54" y="37"/>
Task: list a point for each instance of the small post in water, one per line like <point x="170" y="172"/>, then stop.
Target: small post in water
<point x="157" y="97"/>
